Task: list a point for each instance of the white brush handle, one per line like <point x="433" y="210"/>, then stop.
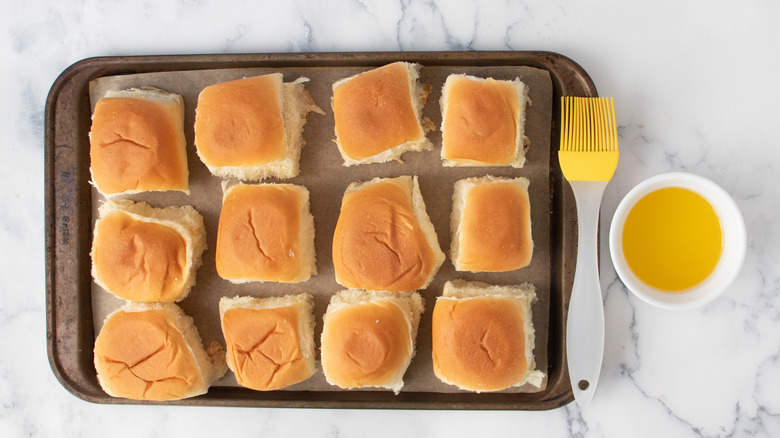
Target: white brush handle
<point x="585" y="323"/>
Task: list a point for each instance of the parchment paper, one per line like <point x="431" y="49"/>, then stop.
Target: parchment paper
<point x="323" y="173"/>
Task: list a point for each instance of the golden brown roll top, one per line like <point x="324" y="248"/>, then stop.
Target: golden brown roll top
<point x="266" y="233"/>
<point x="154" y="352"/>
<point x="368" y="338"/>
<point x="251" y="128"/>
<point x="270" y="341"/>
<point x="147" y="254"/>
<point x="483" y="121"/>
<point x="240" y="122"/>
<point x="491" y="224"/>
<point x="137" y="142"/>
<point x="377" y="114"/>
<point x="483" y="336"/>
<point x="384" y="239"/>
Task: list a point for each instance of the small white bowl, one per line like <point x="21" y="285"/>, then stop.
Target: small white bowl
<point x="734" y="242"/>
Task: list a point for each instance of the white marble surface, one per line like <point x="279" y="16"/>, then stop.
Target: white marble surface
<point x="696" y="90"/>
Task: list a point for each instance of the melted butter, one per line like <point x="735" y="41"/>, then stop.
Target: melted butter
<point x="672" y="239"/>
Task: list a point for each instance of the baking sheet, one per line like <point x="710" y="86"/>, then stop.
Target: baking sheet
<point x="323" y="173"/>
<point x="69" y="220"/>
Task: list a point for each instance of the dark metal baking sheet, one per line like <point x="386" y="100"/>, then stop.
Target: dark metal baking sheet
<point x="70" y="332"/>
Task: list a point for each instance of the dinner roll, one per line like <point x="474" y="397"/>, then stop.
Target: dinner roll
<point x="269" y="341"/>
<point x="252" y="128"/>
<point x="491" y="224"/>
<point x="147" y="254"/>
<point x="378" y="114"/>
<point x="368" y="338"/>
<point x="265" y="233"/>
<point x="483" y="336"/>
<point x="483" y="121"/>
<point x="384" y="239"/>
<point x="137" y="142"/>
<point x="154" y="352"/>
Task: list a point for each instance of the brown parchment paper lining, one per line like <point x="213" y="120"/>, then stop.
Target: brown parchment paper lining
<point x="323" y="173"/>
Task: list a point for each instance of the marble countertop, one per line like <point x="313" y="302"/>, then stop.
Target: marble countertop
<point x="695" y="88"/>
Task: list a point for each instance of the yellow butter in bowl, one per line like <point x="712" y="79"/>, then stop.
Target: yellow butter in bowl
<point x="677" y="240"/>
<point x="672" y="239"/>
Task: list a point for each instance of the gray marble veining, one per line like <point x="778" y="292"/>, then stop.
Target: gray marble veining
<point x="694" y="86"/>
